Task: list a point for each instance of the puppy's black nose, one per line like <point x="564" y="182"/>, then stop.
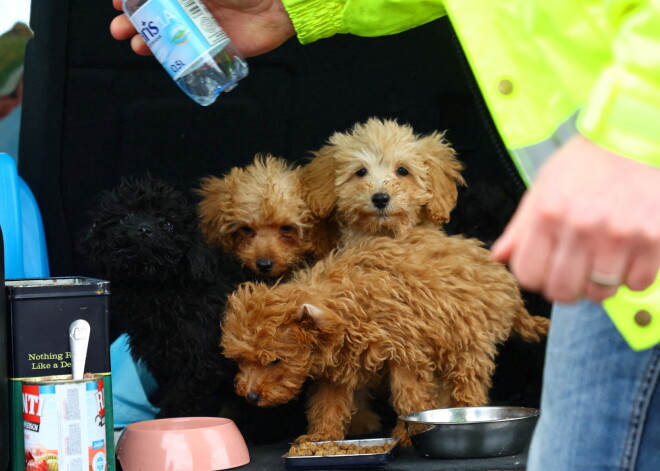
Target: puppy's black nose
<point x="253" y="398"/>
<point x="264" y="265"/>
<point x="380" y="200"/>
<point x="144" y="230"/>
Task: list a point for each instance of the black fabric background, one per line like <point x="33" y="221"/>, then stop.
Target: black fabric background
<point x="94" y="111"/>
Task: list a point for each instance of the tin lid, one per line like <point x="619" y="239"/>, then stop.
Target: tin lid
<point x="56" y="287"/>
<point x="61" y="379"/>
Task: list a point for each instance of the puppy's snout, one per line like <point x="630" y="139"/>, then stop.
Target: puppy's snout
<point x="380" y="200"/>
<point x="144" y="230"/>
<point x="264" y="265"/>
<point x="253" y="398"/>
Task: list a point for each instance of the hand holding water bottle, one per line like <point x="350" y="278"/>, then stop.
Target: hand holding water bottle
<point x="188" y="41"/>
<point x="254" y="26"/>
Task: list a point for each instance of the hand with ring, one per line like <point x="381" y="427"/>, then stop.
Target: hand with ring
<point x="589" y="224"/>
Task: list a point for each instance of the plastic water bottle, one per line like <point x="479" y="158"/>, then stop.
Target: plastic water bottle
<point x="190" y="44"/>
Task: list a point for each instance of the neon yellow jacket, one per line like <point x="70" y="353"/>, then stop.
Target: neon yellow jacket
<point x="591" y="66"/>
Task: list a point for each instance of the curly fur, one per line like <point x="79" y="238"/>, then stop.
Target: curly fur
<point x="168" y="288"/>
<point x="426" y="311"/>
<point x="257" y="212"/>
<point x="382" y="179"/>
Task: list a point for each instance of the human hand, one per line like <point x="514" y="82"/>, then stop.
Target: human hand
<point x="254" y="26"/>
<point x="591" y="215"/>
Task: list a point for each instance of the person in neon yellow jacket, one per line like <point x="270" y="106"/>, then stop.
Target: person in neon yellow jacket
<point x="573" y="87"/>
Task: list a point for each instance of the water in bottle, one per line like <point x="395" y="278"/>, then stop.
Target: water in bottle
<point x="190" y="44"/>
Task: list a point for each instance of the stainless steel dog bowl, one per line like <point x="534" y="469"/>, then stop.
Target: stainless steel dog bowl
<point x="471" y="432"/>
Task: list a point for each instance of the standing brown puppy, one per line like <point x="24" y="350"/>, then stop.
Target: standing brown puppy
<point x="424" y="310"/>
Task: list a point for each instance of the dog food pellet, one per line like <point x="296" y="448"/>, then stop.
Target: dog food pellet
<point x="336" y="448"/>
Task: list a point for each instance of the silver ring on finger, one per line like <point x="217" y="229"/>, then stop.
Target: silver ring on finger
<point x="605" y="280"/>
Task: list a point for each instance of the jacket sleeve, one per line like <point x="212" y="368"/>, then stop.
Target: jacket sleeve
<point x="317" y="19"/>
<point x="623" y="111"/>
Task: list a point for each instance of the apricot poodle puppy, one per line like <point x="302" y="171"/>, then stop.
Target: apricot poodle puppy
<point x="381" y="178"/>
<point x="257" y="213"/>
<point x="425" y="312"/>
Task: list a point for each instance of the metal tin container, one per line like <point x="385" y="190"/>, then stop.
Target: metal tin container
<point x="64" y="424"/>
<point x="39" y="313"/>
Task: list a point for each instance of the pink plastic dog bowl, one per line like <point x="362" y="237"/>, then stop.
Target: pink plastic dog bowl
<point x="182" y="444"/>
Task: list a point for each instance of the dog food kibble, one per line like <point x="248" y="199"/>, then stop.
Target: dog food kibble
<point x="336" y="448"/>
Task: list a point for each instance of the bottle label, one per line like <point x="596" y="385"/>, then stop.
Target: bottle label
<point x="178" y="32"/>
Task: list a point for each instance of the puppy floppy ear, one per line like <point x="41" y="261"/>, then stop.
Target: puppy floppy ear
<point x="212" y="209"/>
<point x="309" y="310"/>
<point x="443" y="177"/>
<point x="323" y="328"/>
<point x="325" y="320"/>
<point x="323" y="236"/>
<point x="317" y="180"/>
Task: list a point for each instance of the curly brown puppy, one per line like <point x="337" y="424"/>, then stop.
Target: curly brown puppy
<point x="426" y="311"/>
<point x="381" y="178"/>
<point x="257" y="213"/>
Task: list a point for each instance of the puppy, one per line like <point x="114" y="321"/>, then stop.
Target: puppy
<point x="382" y="179"/>
<point x="258" y="213"/>
<point x="425" y="311"/>
<point x="168" y="290"/>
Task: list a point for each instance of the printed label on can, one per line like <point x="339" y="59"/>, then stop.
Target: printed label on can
<point x="178" y="32"/>
<point x="64" y="425"/>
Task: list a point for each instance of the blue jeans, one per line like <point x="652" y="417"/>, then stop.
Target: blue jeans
<point x="600" y="406"/>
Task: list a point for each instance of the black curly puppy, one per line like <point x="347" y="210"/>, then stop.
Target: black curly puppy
<point x="168" y="291"/>
<point x="168" y="294"/>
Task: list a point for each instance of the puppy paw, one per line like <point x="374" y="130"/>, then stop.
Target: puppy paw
<point x="364" y="422"/>
<point x="399" y="431"/>
<point x="405" y="441"/>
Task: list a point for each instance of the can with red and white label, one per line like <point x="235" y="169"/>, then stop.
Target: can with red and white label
<point x="64" y="424"/>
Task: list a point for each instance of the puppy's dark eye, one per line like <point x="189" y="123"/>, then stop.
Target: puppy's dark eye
<point x="286" y="229"/>
<point x="167" y="226"/>
<point x="361" y="173"/>
<point x="402" y="171"/>
<point x="247" y="230"/>
<point x="275" y="362"/>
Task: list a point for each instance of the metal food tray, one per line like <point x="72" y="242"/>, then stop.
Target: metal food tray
<point x="362" y="460"/>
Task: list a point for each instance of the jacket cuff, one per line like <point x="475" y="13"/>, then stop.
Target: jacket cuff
<point x="622" y="115"/>
<point x="315" y="19"/>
